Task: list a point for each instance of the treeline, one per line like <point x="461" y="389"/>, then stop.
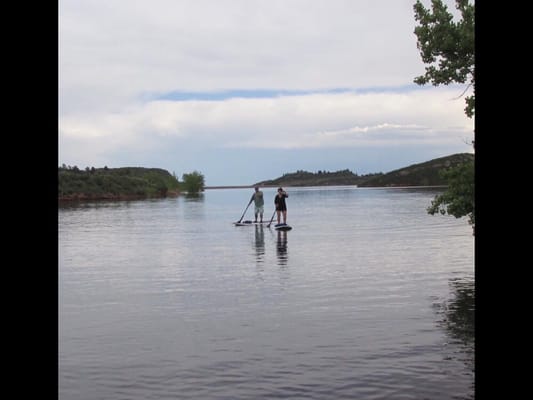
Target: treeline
<point x="429" y="173"/>
<point x="424" y="174"/>
<point x="115" y="183"/>
<point x="319" y="178"/>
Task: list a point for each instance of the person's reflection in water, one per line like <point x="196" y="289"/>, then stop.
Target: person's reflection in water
<point x="259" y="242"/>
<point x="282" y="248"/>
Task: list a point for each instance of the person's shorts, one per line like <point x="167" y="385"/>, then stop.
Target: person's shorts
<point x="259" y="209"/>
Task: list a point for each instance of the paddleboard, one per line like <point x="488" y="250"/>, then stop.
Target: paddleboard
<point x="249" y="223"/>
<point x="282" y="227"/>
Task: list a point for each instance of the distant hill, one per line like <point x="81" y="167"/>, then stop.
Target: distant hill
<point x="115" y="183"/>
<point x="423" y="174"/>
<point x="320" y="178"/>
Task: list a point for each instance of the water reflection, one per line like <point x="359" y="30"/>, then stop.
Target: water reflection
<point x="94" y="204"/>
<point x="165" y="297"/>
<point x="458" y="313"/>
<point x="194" y="197"/>
<point x="456" y="317"/>
<point x="259" y="243"/>
<point x="281" y="248"/>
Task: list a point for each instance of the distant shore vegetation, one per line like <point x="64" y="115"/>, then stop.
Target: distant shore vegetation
<point x="319" y="178"/>
<point x="123" y="183"/>
<point x="423" y="174"/>
<point x="138" y="182"/>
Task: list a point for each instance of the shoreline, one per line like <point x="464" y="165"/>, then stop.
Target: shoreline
<point x="112" y="197"/>
<point x="326" y="186"/>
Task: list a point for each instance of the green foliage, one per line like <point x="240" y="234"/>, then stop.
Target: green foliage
<point x="447" y="46"/>
<point x="458" y="200"/>
<point x="96" y="183"/>
<point x="423" y="174"/>
<point x="193" y="182"/>
<point x="320" y="178"/>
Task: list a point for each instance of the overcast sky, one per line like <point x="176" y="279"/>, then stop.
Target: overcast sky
<point x="247" y="90"/>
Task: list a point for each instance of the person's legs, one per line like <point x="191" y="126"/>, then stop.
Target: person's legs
<point x="285" y="216"/>
<point x="279" y="215"/>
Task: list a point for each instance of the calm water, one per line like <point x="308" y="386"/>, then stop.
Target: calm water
<point x="367" y="297"/>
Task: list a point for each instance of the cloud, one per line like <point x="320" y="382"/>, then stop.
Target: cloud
<point x="315" y="120"/>
<point x="111" y="50"/>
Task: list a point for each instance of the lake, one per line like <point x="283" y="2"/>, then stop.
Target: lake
<point x="367" y="297"/>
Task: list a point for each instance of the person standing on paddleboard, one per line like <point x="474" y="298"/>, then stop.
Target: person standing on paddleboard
<point x="259" y="202"/>
<point x="281" y="206"/>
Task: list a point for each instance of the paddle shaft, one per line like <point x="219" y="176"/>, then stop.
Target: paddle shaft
<point x="271" y="219"/>
<point x="242" y="216"/>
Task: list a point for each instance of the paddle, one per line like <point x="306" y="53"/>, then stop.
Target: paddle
<point x="242" y="216"/>
<point x="271" y="219"/>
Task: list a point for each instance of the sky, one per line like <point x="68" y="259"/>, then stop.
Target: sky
<point x="243" y="91"/>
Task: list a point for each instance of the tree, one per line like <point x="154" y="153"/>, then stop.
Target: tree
<point x="447" y="47"/>
<point x="458" y="199"/>
<point x="193" y="182"/>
